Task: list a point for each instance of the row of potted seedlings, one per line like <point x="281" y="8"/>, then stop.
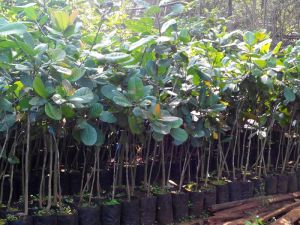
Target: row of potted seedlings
<point x="160" y="206"/>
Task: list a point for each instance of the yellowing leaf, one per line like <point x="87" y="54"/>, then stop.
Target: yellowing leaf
<point x="207" y="83"/>
<point x="72" y="17"/>
<point x="156" y="111"/>
<point x="62" y="19"/>
<point x="215" y="135"/>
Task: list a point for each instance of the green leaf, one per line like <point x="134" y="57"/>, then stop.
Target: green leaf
<point x="135" y="88"/>
<point x="62" y="70"/>
<point x="135" y="124"/>
<point x="82" y="95"/>
<point x="95" y="110"/>
<point x="77" y="73"/>
<point x="39" y="87"/>
<point x="88" y="133"/>
<point x="5" y="105"/>
<point x="57" y="55"/>
<point x="160" y="128"/>
<point x="108" y="91"/>
<point x="172" y="121"/>
<point x="179" y="134"/>
<point x="7" y="122"/>
<point x="260" y="63"/>
<point x="142" y="41"/>
<point x="250" y="38"/>
<point x="218" y="107"/>
<point x="289" y="94"/>
<point x="122" y="101"/>
<point x="167" y="25"/>
<point x="108" y="117"/>
<point x="67" y="111"/>
<point x="12" y="28"/>
<point x="184" y="36"/>
<point x="53" y="112"/>
<point x="116" y="57"/>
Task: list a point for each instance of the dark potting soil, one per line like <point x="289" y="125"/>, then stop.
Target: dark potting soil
<point x="222" y="193"/>
<point x="298" y="179"/>
<point x="180" y="203"/>
<point x="4" y="212"/>
<point x="271" y="185"/>
<point x="210" y="197"/>
<point x="148" y="210"/>
<point x="75" y="182"/>
<point x="247" y="189"/>
<point x="45" y="220"/>
<point x="89" y="215"/>
<point x="65" y="183"/>
<point x="67" y="219"/>
<point x="164" y="213"/>
<point x="196" y="203"/>
<point x="258" y="187"/>
<point x="130" y="212"/>
<point x="24" y="220"/>
<point x="282" y="184"/>
<point x="235" y="191"/>
<point x="292" y="183"/>
<point x="111" y="214"/>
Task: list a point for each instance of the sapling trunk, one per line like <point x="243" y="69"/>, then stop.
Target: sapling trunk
<point x="13" y="152"/>
<point x="57" y="187"/>
<point x="127" y="172"/>
<point x="208" y="163"/>
<point x="98" y="173"/>
<point x="296" y="164"/>
<point x="289" y="143"/>
<point x="93" y="174"/>
<point x="185" y="165"/>
<point x="171" y="161"/>
<point x="248" y="155"/>
<point x="243" y="148"/>
<point x="42" y="183"/>
<point x="83" y="174"/>
<point x="147" y="161"/>
<point x="26" y="194"/>
<point x="279" y="149"/>
<point x="151" y="169"/>
<point x="163" y="165"/>
<point x="234" y="151"/>
<point x="198" y="167"/>
<point x="49" y="204"/>
<point x="55" y="173"/>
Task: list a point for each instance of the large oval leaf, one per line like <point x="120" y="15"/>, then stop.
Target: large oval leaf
<point x="88" y="133"/>
<point x="140" y="42"/>
<point x="135" y="88"/>
<point x="108" y="117"/>
<point x="135" y="124"/>
<point x="82" y="95"/>
<point x="121" y="100"/>
<point x="179" y="134"/>
<point x="39" y="87"/>
<point x="12" y="28"/>
<point x="53" y="112"/>
<point x="95" y="110"/>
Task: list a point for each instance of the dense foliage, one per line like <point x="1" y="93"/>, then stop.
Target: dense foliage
<point x="114" y="83"/>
